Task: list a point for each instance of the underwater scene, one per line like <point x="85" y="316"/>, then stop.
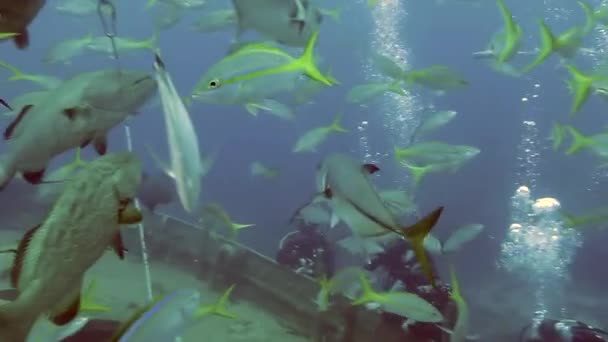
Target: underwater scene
<point x="303" y="170"/>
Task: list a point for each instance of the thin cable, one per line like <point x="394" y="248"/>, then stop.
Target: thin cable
<point x="140" y="228"/>
<point x="106" y="8"/>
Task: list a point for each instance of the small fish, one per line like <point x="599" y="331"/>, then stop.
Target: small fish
<point x="310" y="140"/>
<point x="168" y="318"/>
<point x="186" y="166"/>
<point x="258" y="169"/>
<point x="273" y="107"/>
<point x="433" y="121"/>
<point x="46" y="81"/>
<point x="289" y="22"/>
<point x="16" y="17"/>
<point x="219" y="20"/>
<point x="65" y="50"/>
<point x="365" y="92"/>
<point x="216" y="210"/>
<point x="53" y="256"/>
<point x="104" y="46"/>
<point x="404" y="304"/>
<point x="80" y="8"/>
<point x="455" y="242"/>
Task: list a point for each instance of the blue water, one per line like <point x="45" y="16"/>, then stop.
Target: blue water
<point x="490" y="117"/>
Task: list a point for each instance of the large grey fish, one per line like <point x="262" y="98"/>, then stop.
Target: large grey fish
<point x="289" y="22"/>
<point x="16" y="16"/>
<point x="344" y="183"/>
<point x="53" y="257"/>
<point x="80" y="111"/>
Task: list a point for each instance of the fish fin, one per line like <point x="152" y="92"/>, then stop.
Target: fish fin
<point x="252" y="108"/>
<point x="118" y="246"/>
<point x="66" y="314"/>
<point x="101" y="145"/>
<point x="130" y="214"/>
<point x="20" y="255"/>
<point x="162" y="165"/>
<point x="87" y="303"/>
<point x="10" y="129"/>
<point x="416" y="235"/>
<point x="33" y="177"/>
<point x="219" y="307"/>
<point x="5" y="104"/>
<point x="307" y="62"/>
<point x="22" y="40"/>
<point x="370" y="168"/>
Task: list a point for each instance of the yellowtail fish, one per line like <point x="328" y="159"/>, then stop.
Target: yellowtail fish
<point x="166" y="319"/>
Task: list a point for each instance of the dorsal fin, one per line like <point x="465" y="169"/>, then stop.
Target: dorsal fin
<point x="20" y="255"/>
<point x="8" y="132"/>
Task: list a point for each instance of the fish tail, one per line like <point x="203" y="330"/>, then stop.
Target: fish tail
<point x="455" y="284"/>
<point x="335" y="126"/>
<point x="557" y="135"/>
<point x="580" y="84"/>
<point x="548" y="44"/>
<point x="589" y="14"/>
<point x="416" y="235"/>
<point x="17" y="73"/>
<point x="219" y="308"/>
<point x="368" y="295"/>
<point x="395" y="87"/>
<point x="579" y="141"/>
<point x="309" y="65"/>
<point x="151" y="43"/>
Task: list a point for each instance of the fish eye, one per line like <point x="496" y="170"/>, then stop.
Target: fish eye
<point x="214" y="83"/>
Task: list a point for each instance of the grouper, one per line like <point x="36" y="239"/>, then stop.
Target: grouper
<point x="52" y="258"/>
<point x="80" y="111"/>
<point x="16" y="16"/>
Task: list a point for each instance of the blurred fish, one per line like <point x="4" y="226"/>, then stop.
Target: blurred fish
<point x="81" y="8"/>
<point x="433" y="156"/>
<point x="455" y="242"/>
<point x="508" y="41"/>
<point x="168" y="318"/>
<point x="167" y="17"/>
<point x="80" y="111"/>
<point x="271" y="106"/>
<point x="46" y="81"/>
<point x="404" y="304"/>
<point x="432" y="122"/>
<point x="104" y="46"/>
<point x="53" y="256"/>
<point x="216" y="211"/>
<point x="65" y="50"/>
<point x="310" y="140"/>
<point x="289" y="22"/>
<point x="186" y="166"/>
<point x="344" y="183"/>
<point x="17" y="16"/>
<point x="185" y="4"/>
<point x="566" y="44"/>
<point x="365" y="92"/>
<point x="258" y="169"/>
<point x="218" y="20"/>
<point x="156" y="189"/>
